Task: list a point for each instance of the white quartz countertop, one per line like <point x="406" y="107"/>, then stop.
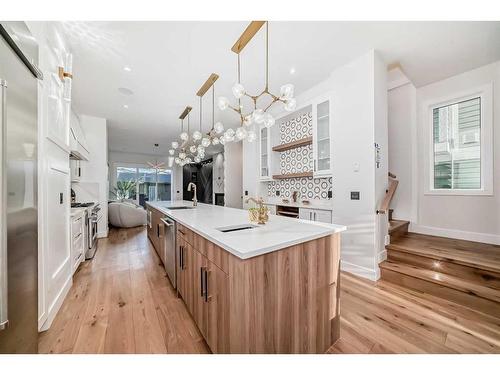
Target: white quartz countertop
<point x="279" y="232"/>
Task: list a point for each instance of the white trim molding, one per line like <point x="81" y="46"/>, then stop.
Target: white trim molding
<point x="457" y="234"/>
<point x="361" y="271"/>
<point x="485" y="92"/>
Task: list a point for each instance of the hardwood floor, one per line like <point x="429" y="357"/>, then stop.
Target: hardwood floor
<point x="121" y="302"/>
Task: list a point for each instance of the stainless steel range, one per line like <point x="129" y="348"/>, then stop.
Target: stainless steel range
<point x="92" y="221"/>
<point x="92" y="218"/>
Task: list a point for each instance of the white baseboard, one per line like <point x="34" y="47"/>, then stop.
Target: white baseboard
<point x="54" y="308"/>
<point x="458" y="234"/>
<point x="103" y="234"/>
<point x="367" y="273"/>
<point x="382" y="256"/>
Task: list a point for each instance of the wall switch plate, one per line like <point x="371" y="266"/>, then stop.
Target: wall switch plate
<point x="355" y="195"/>
<point x="277" y="193"/>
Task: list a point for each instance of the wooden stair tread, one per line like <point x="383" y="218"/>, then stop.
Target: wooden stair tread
<point x="394" y="225"/>
<point x="443" y="279"/>
<point x="468" y="253"/>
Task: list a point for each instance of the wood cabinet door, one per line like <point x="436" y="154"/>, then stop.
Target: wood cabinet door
<point x="198" y="287"/>
<point x="217" y="289"/>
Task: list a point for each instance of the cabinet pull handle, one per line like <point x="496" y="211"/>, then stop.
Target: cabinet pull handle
<point x="201" y="281"/>
<point x="315" y="165"/>
<point x="180" y="257"/>
<point x="61" y="198"/>
<point x="206" y="285"/>
<point x="182" y="265"/>
<point x="315" y="216"/>
<point x="79" y="172"/>
<point x="181" y="232"/>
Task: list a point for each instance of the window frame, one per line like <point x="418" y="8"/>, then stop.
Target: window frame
<point x="485" y="93"/>
<point x="138" y="166"/>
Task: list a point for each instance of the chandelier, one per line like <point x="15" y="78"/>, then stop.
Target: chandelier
<point x="256" y="115"/>
<point x="191" y="147"/>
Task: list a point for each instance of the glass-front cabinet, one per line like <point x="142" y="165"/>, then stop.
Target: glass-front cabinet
<point x="322" y="139"/>
<point x="264" y="153"/>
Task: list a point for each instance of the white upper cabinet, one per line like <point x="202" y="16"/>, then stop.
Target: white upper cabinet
<point x="322" y="137"/>
<point x="264" y="153"/>
<point x="78" y="143"/>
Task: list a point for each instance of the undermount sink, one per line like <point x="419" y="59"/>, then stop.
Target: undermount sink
<point x="178" y="208"/>
<point x="234" y="228"/>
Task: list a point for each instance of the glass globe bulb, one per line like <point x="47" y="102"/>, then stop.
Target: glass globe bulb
<point x="247" y="120"/>
<point x="175" y="145"/>
<point x="205" y="142"/>
<point x="290" y="104"/>
<point x="251" y="136"/>
<point x="228" y="137"/>
<point x="222" y="141"/>
<point x="182" y="155"/>
<point x="230" y="132"/>
<point x="188" y="160"/>
<point x="238" y="90"/>
<point x="241" y="133"/>
<point x="177" y="160"/>
<point x="184" y="136"/>
<point x="215" y="141"/>
<point x="286" y="91"/>
<point x="197" y="135"/>
<point x="171" y="152"/>
<point x="192" y="149"/>
<point x="197" y="159"/>
<point x="218" y="127"/>
<point x="201" y="148"/>
<point x="258" y="116"/>
<point x="268" y="120"/>
<point x="223" y="103"/>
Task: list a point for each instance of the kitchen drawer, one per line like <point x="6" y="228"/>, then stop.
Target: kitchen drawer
<point x="212" y="252"/>
<point x="77" y="226"/>
<point x="185" y="233"/>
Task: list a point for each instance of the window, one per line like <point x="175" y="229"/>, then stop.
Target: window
<point x="461" y="160"/>
<point x="141" y="184"/>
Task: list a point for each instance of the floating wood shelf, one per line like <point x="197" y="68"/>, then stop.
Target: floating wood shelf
<point x="292" y="175"/>
<point x="288" y="146"/>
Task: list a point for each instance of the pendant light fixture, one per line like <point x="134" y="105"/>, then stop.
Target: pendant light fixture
<point x="257" y="115"/>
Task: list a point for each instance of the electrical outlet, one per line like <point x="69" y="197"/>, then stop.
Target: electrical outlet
<point x="355" y="195"/>
<point x="277" y="193"/>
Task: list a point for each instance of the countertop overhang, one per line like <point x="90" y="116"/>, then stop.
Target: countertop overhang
<point x="278" y="233"/>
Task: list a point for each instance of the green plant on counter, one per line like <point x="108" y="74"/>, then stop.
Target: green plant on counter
<point x="124" y="189"/>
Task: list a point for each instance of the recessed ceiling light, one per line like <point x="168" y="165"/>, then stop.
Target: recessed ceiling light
<point x="125" y="106"/>
<point x="127" y="68"/>
<point x="125" y="91"/>
<point x="292" y="70"/>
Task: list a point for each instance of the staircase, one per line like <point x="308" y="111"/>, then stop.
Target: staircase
<point x="459" y="271"/>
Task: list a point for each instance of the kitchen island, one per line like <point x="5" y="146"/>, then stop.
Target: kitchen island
<point x="250" y="288"/>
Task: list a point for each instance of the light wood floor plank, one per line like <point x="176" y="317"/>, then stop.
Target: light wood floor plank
<point x="122" y="302"/>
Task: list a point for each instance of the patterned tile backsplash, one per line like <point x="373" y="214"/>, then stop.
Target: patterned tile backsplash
<point x="292" y="128"/>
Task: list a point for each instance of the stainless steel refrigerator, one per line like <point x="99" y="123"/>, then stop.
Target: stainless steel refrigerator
<point x="18" y="189"/>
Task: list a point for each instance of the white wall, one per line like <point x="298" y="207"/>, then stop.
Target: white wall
<point x="95" y="170"/>
<point x="402" y="120"/>
<point x="233" y="174"/>
<point x="468" y="217"/>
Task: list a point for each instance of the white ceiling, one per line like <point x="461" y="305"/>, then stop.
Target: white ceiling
<point x="170" y="60"/>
